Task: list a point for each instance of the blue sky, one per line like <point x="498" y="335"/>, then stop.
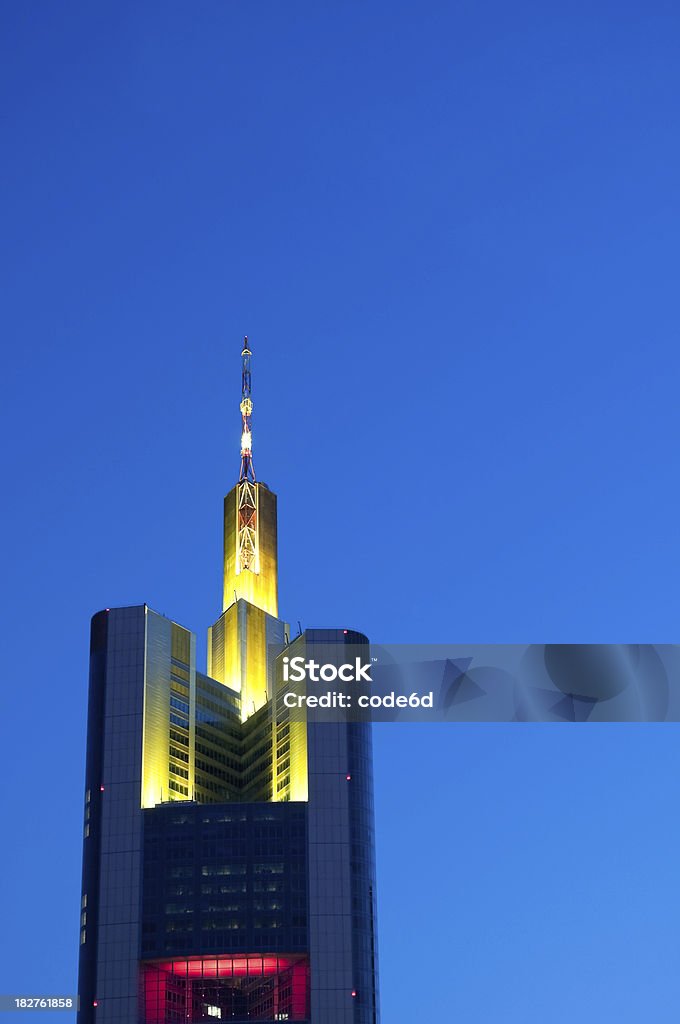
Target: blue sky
<point x="451" y="233"/>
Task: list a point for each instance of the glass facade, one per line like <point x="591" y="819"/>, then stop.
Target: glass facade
<point x="224" y="878"/>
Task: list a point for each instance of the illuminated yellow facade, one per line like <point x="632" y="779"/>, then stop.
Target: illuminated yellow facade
<point x="240" y="642"/>
<point x="203" y="736"/>
<point x="170" y="684"/>
<point x="250" y="547"/>
<point x="240" y="647"/>
<point x="195" y="725"/>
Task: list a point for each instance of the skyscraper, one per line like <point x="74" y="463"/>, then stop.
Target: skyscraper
<point x="228" y="857"/>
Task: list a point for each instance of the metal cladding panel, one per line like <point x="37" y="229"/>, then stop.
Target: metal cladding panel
<point x="121" y="819"/>
<point x="87" y="968"/>
<point x="364" y="901"/>
<point x="330" y="901"/>
<point x="342" y="903"/>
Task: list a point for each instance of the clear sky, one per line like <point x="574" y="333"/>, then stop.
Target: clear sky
<point x="451" y="233"/>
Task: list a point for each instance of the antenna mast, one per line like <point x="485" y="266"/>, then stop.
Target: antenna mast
<point x="247" y="471"/>
<point x="248" y="541"/>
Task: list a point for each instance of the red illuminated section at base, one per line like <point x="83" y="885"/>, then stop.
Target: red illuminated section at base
<point x="237" y="989"/>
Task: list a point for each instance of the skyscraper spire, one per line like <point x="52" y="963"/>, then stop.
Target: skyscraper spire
<point x="250" y="548"/>
<point x="247" y="471"/>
